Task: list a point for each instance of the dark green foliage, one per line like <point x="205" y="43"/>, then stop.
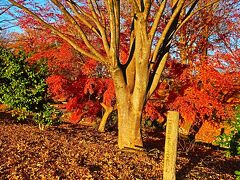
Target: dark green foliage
<point x="232" y="141"/>
<point x="23" y="86"/>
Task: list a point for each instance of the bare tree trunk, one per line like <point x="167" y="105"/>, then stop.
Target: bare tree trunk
<point x="129" y="129"/>
<point x="108" y="111"/>
<point x="129" y="106"/>
<point x="194" y="129"/>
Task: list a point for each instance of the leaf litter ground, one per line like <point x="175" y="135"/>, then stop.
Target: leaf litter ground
<point x="72" y="151"/>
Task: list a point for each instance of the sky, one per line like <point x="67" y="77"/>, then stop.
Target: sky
<point x="10" y="26"/>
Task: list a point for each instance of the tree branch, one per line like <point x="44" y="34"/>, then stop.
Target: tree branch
<point x="80" y="31"/>
<point x="73" y="5"/>
<point x="167" y="29"/>
<point x="190" y="14"/>
<point x="157" y="19"/>
<point x="5" y="10"/>
<point x="101" y="28"/>
<point x="60" y="34"/>
<point x="147" y="7"/>
<point x="114" y="14"/>
<point x="157" y="75"/>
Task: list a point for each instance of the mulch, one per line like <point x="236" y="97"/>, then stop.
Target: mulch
<point x="71" y="152"/>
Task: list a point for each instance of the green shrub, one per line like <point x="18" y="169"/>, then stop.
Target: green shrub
<point x="23" y="87"/>
<point x="232" y="141"/>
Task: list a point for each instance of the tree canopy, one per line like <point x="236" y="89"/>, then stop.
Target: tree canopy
<point x="133" y="39"/>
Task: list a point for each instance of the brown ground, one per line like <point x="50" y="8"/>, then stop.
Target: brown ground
<point x="80" y="152"/>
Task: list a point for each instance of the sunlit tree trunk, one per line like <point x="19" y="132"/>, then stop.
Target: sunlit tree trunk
<point x="107" y="111"/>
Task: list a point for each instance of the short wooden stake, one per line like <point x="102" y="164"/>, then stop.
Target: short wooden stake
<point x="170" y="150"/>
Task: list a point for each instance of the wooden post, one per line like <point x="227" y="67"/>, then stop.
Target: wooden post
<point x="170" y="150"/>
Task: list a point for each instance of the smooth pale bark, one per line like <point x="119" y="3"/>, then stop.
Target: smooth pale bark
<point x="129" y="107"/>
<point x="107" y="111"/>
<point x="131" y="94"/>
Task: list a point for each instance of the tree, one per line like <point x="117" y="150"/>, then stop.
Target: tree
<point x="136" y="79"/>
<point x="200" y="80"/>
<point x="23" y="87"/>
<point x="211" y="31"/>
<point x="205" y="45"/>
<point x="80" y="89"/>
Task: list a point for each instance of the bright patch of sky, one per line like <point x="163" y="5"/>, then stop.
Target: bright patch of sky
<point x="7" y="22"/>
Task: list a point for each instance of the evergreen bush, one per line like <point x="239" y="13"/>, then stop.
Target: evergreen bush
<point x="23" y="87"/>
<point x="232" y="141"/>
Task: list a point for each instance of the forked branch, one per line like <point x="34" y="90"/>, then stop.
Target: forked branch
<point x="60" y="34"/>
